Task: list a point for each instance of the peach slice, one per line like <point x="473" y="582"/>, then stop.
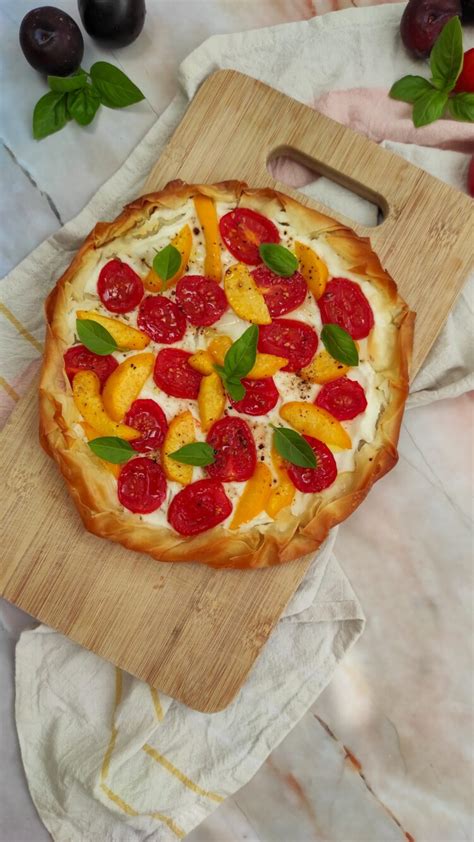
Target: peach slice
<point x="180" y="432"/>
<point x="323" y="368"/>
<point x="125" y="384"/>
<point x="207" y="215"/>
<point x="311" y="420"/>
<point x="88" y="400"/>
<point x="244" y="297"/>
<point x="211" y="400"/>
<point x="254" y="496"/>
<point x="283" y="493"/>
<point x="125" y="336"/>
<point x="314" y="270"/>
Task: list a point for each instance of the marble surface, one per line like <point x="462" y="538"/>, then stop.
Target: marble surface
<point x="384" y="754"/>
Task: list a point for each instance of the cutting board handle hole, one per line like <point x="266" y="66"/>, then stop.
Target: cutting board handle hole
<point x="355" y="201"/>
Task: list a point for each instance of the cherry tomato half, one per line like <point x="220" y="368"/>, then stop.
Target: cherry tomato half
<point x="201" y="299"/>
<point x="244" y="230"/>
<point x="120" y="288"/>
<point x="148" y="417"/>
<point x="281" y="294"/>
<point x="260" y="397"/>
<point x="174" y="375"/>
<point x="161" y="319"/>
<point x="234" y="447"/>
<point x="289" y="338"/>
<point x="343" y="303"/>
<point x="141" y="485"/>
<point x="311" y="480"/>
<point x="79" y="358"/>
<point x="343" y="398"/>
<point x="199" y="507"/>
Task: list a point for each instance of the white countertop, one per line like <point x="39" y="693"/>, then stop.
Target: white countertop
<point x="384" y="753"/>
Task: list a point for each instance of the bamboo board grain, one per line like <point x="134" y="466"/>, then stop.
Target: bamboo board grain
<point x="192" y="632"/>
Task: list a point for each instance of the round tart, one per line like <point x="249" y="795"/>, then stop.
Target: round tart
<point x="224" y="376"/>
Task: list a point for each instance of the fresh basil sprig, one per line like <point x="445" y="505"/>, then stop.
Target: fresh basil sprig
<point x="430" y="98"/>
<point x="293" y="447"/>
<point x="279" y="259"/>
<point x="238" y="361"/>
<point x="79" y="97"/>
<point x="95" y="337"/>
<point x="197" y="453"/>
<point x="167" y="262"/>
<point x="114" y="87"/>
<point x="340" y="344"/>
<point x="112" y="449"/>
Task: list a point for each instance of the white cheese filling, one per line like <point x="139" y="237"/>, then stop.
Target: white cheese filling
<point x="138" y="249"/>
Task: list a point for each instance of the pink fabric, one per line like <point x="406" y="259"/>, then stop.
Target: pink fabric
<point x="372" y="112"/>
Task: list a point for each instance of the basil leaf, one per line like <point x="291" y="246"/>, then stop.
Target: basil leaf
<point x="446" y="57"/>
<point x="235" y="389"/>
<point x="429" y="107"/>
<point x="241" y="356"/>
<point x="112" y="449"/>
<point x="293" y="447"/>
<point x="410" y="88"/>
<point x="115" y="89"/>
<point x="68" y="83"/>
<point x="167" y="262"/>
<point x="198" y="453"/>
<point x="340" y="344"/>
<point x="83" y="105"/>
<point x="461" y="107"/>
<point x="279" y="259"/>
<point x="50" y="115"/>
<point x="95" y="337"/>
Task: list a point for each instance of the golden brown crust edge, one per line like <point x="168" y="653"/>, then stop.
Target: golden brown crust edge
<point x="92" y="486"/>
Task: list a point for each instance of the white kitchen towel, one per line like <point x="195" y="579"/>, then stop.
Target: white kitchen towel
<point x="107" y="758"/>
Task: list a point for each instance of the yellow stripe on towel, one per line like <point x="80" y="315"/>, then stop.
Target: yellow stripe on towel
<point x="157" y="703"/>
<point x="9" y="389"/>
<point x="22" y="330"/>
<point x="163" y="761"/>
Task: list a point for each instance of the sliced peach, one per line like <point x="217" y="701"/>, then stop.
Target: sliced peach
<point x="125" y="336"/>
<point x="283" y="493"/>
<point x="244" y="296"/>
<point x="207" y="215"/>
<point x="88" y="400"/>
<point x="125" y="384"/>
<point x="93" y="434"/>
<point x="180" y="432"/>
<point x="323" y="368"/>
<point x="202" y="361"/>
<point x="311" y="420"/>
<point x="314" y="270"/>
<point x="266" y="365"/>
<point x="211" y="400"/>
<point x="218" y="348"/>
<point x="254" y="496"/>
<point x="182" y="241"/>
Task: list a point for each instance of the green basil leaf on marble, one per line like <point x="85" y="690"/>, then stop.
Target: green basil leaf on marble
<point x="114" y="87"/>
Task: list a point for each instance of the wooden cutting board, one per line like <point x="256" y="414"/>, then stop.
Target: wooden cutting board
<point x="192" y="632"/>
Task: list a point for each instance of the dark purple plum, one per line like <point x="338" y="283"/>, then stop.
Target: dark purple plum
<point x="423" y="20"/>
<point x="51" y="41"/>
<point x="114" y="22"/>
<point x="467" y="11"/>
